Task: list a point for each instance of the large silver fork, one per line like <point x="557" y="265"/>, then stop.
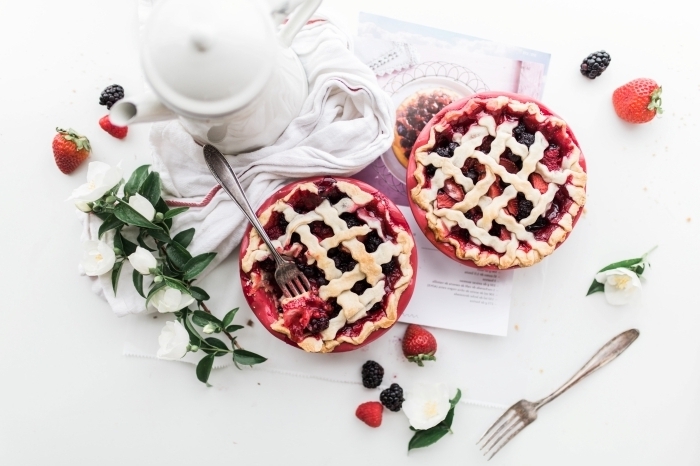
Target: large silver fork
<point x="289" y="278"/>
<point x="523" y="413"/>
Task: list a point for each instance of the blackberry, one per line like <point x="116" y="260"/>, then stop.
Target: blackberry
<point x="392" y="397"/>
<point x="522" y="135"/>
<point x="111" y="95"/>
<point x="594" y="64"/>
<point x="524" y="207"/>
<point x="372" y="374"/>
<point x="430" y="170"/>
<point x="351" y="220"/>
<point x="317" y="325"/>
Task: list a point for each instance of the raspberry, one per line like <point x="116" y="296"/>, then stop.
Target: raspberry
<point x="372" y="374"/>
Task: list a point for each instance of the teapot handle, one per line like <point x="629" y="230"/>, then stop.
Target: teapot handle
<point x="301" y="12"/>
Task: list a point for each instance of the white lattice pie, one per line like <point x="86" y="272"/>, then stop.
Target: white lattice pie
<point x="354" y="252"/>
<point x="500" y="180"/>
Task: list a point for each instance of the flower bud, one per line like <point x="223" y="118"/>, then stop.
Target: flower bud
<point x="158" y="217"/>
<point x="83" y="206"/>
<point x="118" y="251"/>
<point x="192" y="348"/>
<point x="209" y="328"/>
<point x="158" y="279"/>
<point x="110" y="199"/>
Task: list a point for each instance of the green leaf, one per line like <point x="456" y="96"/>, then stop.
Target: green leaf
<point x="197" y="264"/>
<point x="116" y="271"/>
<point x="142" y="243"/>
<point x="173" y="212"/>
<point x="122" y="243"/>
<point x="424" y="438"/>
<point x="138" y="282"/>
<point x="228" y="318"/>
<point x="161" y="206"/>
<point x="177" y="284"/>
<point x="156" y="287"/>
<point x="233" y="328"/>
<point x="198" y="293"/>
<point x="595" y="287"/>
<point x="184" y="238"/>
<point x="128" y="215"/>
<point x="204" y="368"/>
<point x="202" y="318"/>
<point x="136" y="180"/>
<point x="216" y="347"/>
<point x="151" y="189"/>
<point x="178" y="255"/>
<point x="247" y="358"/>
<point x="110" y="223"/>
<point x="195" y="338"/>
<point x="101" y="215"/>
<point x="451" y="413"/>
<point x="159" y="235"/>
<point x="628" y="264"/>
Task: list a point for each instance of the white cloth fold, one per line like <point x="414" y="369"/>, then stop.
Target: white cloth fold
<point x="344" y="125"/>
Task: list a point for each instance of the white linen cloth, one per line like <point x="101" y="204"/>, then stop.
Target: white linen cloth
<point x="345" y="123"/>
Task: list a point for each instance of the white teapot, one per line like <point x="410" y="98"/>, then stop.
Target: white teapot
<point x="223" y="69"/>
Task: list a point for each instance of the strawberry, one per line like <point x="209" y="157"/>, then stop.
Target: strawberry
<point x="118" y="132"/>
<point x="495" y="189"/>
<point x="370" y="413"/>
<point x="508" y="165"/>
<point x="512" y="207"/>
<point x="638" y="101"/>
<point x="453" y="190"/>
<point x="539" y="183"/>
<point x="444" y="201"/>
<point x="70" y="149"/>
<point x="418" y="344"/>
<point x="552" y="158"/>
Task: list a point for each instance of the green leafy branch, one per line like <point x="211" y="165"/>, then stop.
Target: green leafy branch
<point x="637" y="265"/>
<point x="176" y="267"/>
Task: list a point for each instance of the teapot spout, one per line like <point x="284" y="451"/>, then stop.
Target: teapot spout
<point x="144" y="108"/>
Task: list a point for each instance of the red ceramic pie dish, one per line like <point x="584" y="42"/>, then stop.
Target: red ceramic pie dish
<point x="263" y="301"/>
<point x="424" y="137"/>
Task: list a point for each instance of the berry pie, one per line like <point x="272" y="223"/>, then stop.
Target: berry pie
<point x="356" y="251"/>
<point x="500" y="180"/>
<point x="413" y="114"/>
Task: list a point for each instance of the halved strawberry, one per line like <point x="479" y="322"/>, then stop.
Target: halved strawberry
<point x="508" y="165"/>
<point x="552" y="158"/>
<point x="495" y="188"/>
<point x="539" y="183"/>
<point x="444" y="201"/>
<point x="504" y="234"/>
<point x="453" y="189"/>
<point x="512" y="206"/>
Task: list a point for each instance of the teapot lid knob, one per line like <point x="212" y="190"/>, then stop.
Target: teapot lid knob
<point x="201" y="38"/>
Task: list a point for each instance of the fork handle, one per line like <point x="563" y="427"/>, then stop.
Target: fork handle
<point x="607" y="353"/>
<point x="224" y="174"/>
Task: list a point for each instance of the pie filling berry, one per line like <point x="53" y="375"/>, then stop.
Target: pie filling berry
<point x="500" y="181"/>
<point x="413" y="114"/>
<point x="354" y="252"/>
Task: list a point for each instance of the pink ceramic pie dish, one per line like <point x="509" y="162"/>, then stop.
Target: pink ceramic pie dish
<point x="496" y="181"/>
<point x="357" y="251"/>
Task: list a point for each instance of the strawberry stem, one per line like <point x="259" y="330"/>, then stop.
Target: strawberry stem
<point x="81" y="142"/>
<point x="655" y="102"/>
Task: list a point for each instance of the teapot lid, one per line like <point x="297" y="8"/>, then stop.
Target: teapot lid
<point x="208" y="58"/>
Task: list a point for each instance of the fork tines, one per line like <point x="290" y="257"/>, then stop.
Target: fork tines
<point x="508" y="426"/>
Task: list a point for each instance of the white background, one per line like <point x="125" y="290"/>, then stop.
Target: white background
<point x="68" y="396"/>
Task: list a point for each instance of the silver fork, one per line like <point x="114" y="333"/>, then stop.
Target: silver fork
<point x="523" y="413"/>
<point x="289" y="278"/>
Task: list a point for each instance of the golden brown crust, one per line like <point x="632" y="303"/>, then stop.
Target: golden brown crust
<point x="571" y="175"/>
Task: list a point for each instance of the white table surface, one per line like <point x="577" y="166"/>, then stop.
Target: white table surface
<point x="68" y="396"/>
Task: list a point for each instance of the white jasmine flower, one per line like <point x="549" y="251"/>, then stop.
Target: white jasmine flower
<point x="426" y="405"/>
<point x="141" y="205"/>
<point x="170" y="300"/>
<point x="173" y="340"/>
<point x="142" y="260"/>
<point x="100" y="179"/>
<point x="98" y="258"/>
<point x="621" y="285"/>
